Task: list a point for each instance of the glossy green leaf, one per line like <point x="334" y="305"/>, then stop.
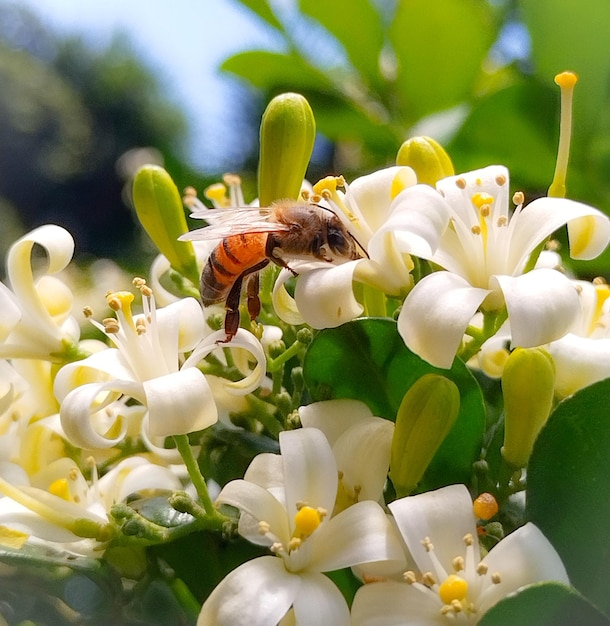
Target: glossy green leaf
<point x="357" y="26"/>
<point x="367" y="360"/>
<point x="545" y="604"/>
<point x="569" y="486"/>
<point x="440" y="47"/>
<point x="263" y="9"/>
<point x="568" y="35"/>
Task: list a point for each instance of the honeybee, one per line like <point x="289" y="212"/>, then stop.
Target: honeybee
<point x="253" y="237"/>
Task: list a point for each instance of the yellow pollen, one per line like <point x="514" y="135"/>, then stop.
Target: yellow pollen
<point x="231" y="179"/>
<point x="461" y="183"/>
<point x="217" y="192"/>
<point x="485" y="210"/>
<point x="496" y="579"/>
<point x="138" y="282"/>
<point x="599" y="280"/>
<point x="306" y="521"/>
<point x="476" y="230"/>
<point x="500" y="180"/>
<point x="276" y="547"/>
<point x="428" y="579"/>
<point x="315" y="198"/>
<point x="567" y="80"/>
<point x="485" y="506"/>
<point x="263" y="527"/>
<point x="453" y="589"/>
<point x="294" y="544"/>
<point x="502" y="221"/>
<point x="73" y="474"/>
<point x="518" y="198"/>
<point x="60" y="489"/>
<point x="428" y="545"/>
<point x="468" y="539"/>
<point x="111" y="325"/>
<point x="87" y="311"/>
<point x="456" y="606"/>
<point x="481" y="199"/>
<point x="481" y="569"/>
<point x="140" y="326"/>
<point x="458" y="563"/>
<point x="305" y="194"/>
<point x="410" y="577"/>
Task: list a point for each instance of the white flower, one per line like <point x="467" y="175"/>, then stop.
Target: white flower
<point x="453" y="585"/>
<point x="361" y="445"/>
<point x="285" y="502"/>
<point x="148" y="365"/>
<point x="35" y="316"/>
<point x="379" y="211"/>
<point x="484" y="253"/>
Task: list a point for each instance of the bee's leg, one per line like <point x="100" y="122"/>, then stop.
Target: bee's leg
<point x="269" y="248"/>
<point x="254" y="302"/>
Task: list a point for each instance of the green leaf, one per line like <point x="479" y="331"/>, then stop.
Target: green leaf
<point x="358" y="27"/>
<point x="263" y="9"/>
<point x="567" y="35"/>
<point x="367" y="360"/>
<point x="440" y="47"/>
<point x="544" y="604"/>
<point x="568" y="488"/>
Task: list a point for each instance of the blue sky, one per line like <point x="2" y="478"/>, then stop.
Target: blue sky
<point x="185" y="40"/>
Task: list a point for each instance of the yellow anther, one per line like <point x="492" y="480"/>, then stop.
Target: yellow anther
<point x="138" y="282"/>
<point x="61" y="489"/>
<point x="231" y="180"/>
<point x="599" y="280"/>
<point x="566" y="80"/>
<point x="500" y="180"/>
<point x="314" y="198"/>
<point x="502" y="221"/>
<point x="485" y="506"/>
<point x="461" y="183"/>
<point x="496" y="579"/>
<point x="468" y="539"/>
<point x="263" y="527"/>
<point x="428" y="545"/>
<point x="485" y="210"/>
<point x="294" y="544"/>
<point x="481" y="569"/>
<point x="518" y="198"/>
<point x="305" y="194"/>
<point x="456" y="605"/>
<point x="326" y="194"/>
<point x="453" y="589"/>
<point x="458" y="563"/>
<point x="553" y="245"/>
<point x="140" y="326"/>
<point x="216" y="192"/>
<point x="87" y="311"/>
<point x="111" y="325"/>
<point x="475" y="230"/>
<point x="276" y="547"/>
<point x="306" y="521"/>
<point x="482" y="199"/>
<point x="428" y="579"/>
<point x="409" y="577"/>
<point x="73" y="474"/>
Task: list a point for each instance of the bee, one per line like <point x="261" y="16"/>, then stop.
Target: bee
<point x="253" y="237"/>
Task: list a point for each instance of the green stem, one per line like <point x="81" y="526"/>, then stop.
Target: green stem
<point x="186" y="452"/>
<point x="274" y="365"/>
<point x="491" y="324"/>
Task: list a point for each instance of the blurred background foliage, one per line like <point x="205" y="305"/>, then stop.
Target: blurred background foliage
<point x="477" y="75"/>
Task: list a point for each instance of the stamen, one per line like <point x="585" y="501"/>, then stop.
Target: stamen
<point x="599" y="280"/>
<point x="496" y="578"/>
<point x="111" y="325"/>
<point x="458" y="563"/>
<point x="482" y="569"/>
<point x="231" y="179"/>
<point x="502" y="221"/>
<point x="468" y="539"/>
<point x="305" y="194"/>
<point x="428" y="545"/>
<point x="475" y="230"/>
<point x="518" y="198"/>
<point x="410" y="577"/>
<point x="481" y="200"/>
<point x="87" y="312"/>
<point x="294" y="544"/>
<point x="263" y="527"/>
<point x="456" y="606"/>
<point x="566" y="82"/>
<point x="500" y="180"/>
<point x="461" y="183"/>
<point x="428" y="579"/>
<point x="140" y="326"/>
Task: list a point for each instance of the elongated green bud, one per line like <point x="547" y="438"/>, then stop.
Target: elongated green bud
<point x="159" y="208"/>
<point x="287" y="135"/>
<point x="425" y="417"/>
<point x="528" y="383"/>
<point x="427" y="157"/>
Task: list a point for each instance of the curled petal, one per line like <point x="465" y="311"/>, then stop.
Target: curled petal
<point x="11" y="313"/>
<point x="319" y="601"/>
<point x="524" y="557"/>
<point x="542" y="306"/>
<point x="179" y="403"/>
<point x="283" y="303"/>
<point x="243" y="339"/>
<point x="579" y="362"/>
<point x="325" y="297"/>
<point x="181" y="323"/>
<point x="435" y="315"/>
<point x="257" y="593"/>
<point x="84" y="420"/>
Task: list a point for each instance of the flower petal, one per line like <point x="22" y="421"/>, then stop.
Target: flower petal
<point x="579" y="362"/>
<point x="542" y="305"/>
<point x="325" y="297"/>
<point x="362" y="533"/>
<point x="524" y="557"/>
<point x="435" y="315"/>
<point x="396" y="604"/>
<point x="283" y="303"/>
<point x="319" y="601"/>
<point x="179" y="403"/>
<point x="444" y="515"/>
<point x="310" y="470"/>
<point x="257" y="593"/>
<point x="11" y="313"/>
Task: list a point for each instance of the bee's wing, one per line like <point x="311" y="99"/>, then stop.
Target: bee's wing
<point x="240" y="221"/>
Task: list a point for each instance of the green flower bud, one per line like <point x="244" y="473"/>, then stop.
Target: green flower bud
<point x="425" y="417"/>
<point x="427" y="157"/>
<point x="159" y="208"/>
<point x="287" y="135"/>
<point x="528" y="383"/>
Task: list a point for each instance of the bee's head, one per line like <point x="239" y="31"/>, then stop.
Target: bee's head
<point x="340" y="241"/>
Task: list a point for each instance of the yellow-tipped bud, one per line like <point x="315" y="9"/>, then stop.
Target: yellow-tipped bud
<point x="159" y="208"/>
<point x="528" y="384"/>
<point x="427" y="157"/>
<point x="287" y="135"/>
<point x="425" y="417"/>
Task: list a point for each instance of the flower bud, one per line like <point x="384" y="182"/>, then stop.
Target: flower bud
<point x="287" y="135"/>
<point x="159" y="208"/>
<point x="425" y="417"/>
<point x="427" y="157"/>
<point x="528" y="383"/>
